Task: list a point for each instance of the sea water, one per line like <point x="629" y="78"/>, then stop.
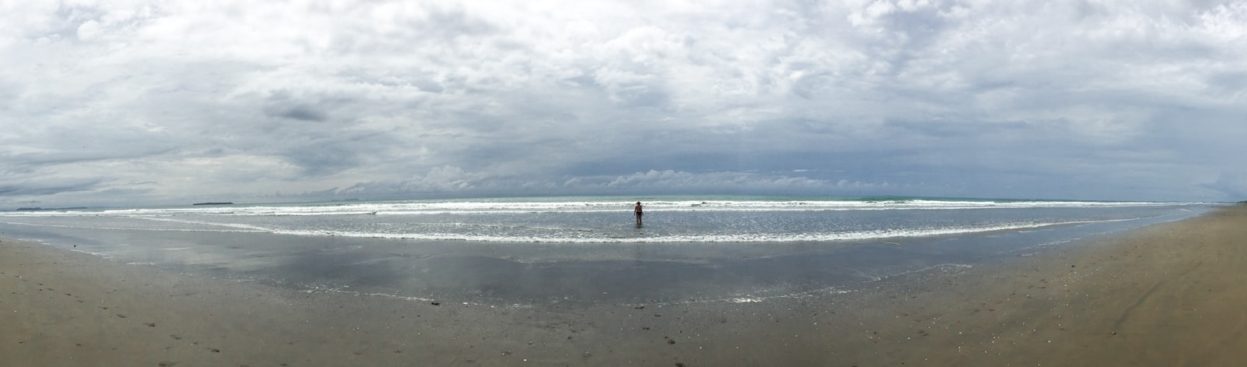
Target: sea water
<point x="583" y="249"/>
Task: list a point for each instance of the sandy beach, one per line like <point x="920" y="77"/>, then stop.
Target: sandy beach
<point x="1172" y="294"/>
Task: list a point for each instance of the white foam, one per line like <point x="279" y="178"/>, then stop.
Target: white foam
<point x="210" y="223"/>
<point x="236" y="226"/>
<point x="759" y="299"/>
<point x="751" y="237"/>
<point x="590" y="238"/>
<point x="586" y="206"/>
<point x="117" y="228"/>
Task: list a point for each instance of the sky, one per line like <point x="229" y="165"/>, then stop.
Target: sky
<point x="116" y="103"/>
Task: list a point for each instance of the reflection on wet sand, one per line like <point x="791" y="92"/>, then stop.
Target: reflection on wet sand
<point x="1169" y="294"/>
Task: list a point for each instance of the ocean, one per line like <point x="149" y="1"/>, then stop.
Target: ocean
<point x="570" y="250"/>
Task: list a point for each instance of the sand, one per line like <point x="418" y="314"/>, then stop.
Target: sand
<point x="1167" y="295"/>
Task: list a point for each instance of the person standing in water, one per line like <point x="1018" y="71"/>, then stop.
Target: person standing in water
<point x="638" y="211"/>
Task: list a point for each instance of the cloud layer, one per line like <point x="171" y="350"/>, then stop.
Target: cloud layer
<point x="117" y="102"/>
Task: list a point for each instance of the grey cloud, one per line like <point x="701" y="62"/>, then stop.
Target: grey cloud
<point x="1233" y="185"/>
<point x="297" y="112"/>
<point x="1059" y="99"/>
<point x="454" y="22"/>
<point x="1231" y="83"/>
<point x="284" y="104"/>
<point x="453" y="181"/>
<point x="42" y="189"/>
<point x="329" y="155"/>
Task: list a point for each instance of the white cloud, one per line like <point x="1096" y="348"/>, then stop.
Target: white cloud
<point x="467" y="95"/>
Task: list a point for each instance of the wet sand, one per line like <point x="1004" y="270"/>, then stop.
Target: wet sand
<point x="1166" y="295"/>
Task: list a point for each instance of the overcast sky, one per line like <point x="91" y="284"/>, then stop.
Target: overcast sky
<point x="150" y="102"/>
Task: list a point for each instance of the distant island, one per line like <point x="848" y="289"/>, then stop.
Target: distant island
<point x="215" y="203"/>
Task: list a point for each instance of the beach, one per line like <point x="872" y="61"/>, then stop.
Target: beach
<point x="1169" y="294"/>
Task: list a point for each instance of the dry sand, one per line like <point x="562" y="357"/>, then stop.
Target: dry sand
<point x="1167" y="295"/>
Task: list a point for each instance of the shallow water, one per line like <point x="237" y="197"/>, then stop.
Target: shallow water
<point x="582" y="250"/>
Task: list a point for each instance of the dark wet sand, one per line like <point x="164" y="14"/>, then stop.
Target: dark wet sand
<point x="1167" y="295"/>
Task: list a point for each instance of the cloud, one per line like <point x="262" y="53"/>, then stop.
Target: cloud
<point x="1233" y="185"/>
<point x="454" y="181"/>
<point x="294" y="111"/>
<point x="669" y="180"/>
<point x="1109" y="99"/>
<point x="44" y="188"/>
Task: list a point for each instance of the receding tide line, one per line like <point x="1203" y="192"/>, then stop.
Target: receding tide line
<point x="751" y="237"/>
